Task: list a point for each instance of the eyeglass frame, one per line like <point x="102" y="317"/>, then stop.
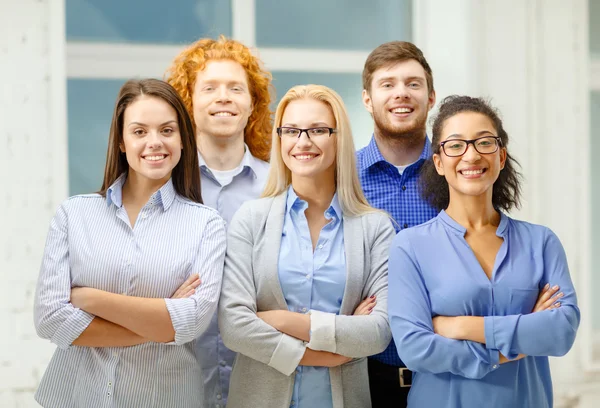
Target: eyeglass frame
<point x="279" y="130"/>
<point x="472" y="141"/>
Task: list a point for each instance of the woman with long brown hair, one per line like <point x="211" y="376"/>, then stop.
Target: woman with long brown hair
<point x="117" y="291"/>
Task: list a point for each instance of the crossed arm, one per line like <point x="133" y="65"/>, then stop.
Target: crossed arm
<point x="472" y="346"/>
<point x="95" y="318"/>
<point x="278" y="337"/>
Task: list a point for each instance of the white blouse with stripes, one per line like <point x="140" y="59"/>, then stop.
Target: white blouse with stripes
<point x="91" y="244"/>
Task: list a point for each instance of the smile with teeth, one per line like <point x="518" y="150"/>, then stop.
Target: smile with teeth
<point x="471" y="172"/>
<point x="155" y="157"/>
<point x="402" y="110"/>
<point x="225" y="114"/>
<point x="305" y="156"/>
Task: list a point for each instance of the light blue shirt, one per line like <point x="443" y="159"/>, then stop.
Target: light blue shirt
<point x="91" y="244"/>
<point x="433" y="271"/>
<point x="216" y="359"/>
<point x="312" y="280"/>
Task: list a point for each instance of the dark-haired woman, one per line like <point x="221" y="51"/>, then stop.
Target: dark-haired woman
<point x="117" y="287"/>
<point x="485" y="299"/>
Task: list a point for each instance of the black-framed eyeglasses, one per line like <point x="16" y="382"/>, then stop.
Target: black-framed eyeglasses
<point x="316" y="132"/>
<point x="483" y="145"/>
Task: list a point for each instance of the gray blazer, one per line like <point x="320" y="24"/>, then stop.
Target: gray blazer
<point x="264" y="369"/>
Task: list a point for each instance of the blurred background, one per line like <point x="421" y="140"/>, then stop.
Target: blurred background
<point x="63" y="61"/>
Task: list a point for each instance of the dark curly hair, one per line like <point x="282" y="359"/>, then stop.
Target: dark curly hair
<point x="434" y="188"/>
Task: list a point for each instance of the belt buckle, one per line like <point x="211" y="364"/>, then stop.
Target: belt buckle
<point x="403" y="384"/>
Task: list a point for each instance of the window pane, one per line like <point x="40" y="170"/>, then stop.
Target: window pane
<point x="595" y="193"/>
<point x="349" y="86"/>
<point x="147" y="21"/>
<point x="90" y="105"/>
<point x="332" y="24"/>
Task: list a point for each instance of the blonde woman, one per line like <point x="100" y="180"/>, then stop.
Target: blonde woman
<point x="304" y="293"/>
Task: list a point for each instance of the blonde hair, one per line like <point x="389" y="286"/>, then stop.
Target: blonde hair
<point x="350" y="194"/>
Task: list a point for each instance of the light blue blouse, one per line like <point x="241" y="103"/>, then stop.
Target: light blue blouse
<point x="433" y="271"/>
<point x="312" y="280"/>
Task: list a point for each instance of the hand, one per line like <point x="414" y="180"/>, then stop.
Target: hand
<point x="547" y="300"/>
<point x="504" y="360"/>
<point x="271" y="317"/>
<point x="79" y="295"/>
<point x="447" y="326"/>
<point x="339" y="360"/>
<point x="188" y="288"/>
<point x="366" y="306"/>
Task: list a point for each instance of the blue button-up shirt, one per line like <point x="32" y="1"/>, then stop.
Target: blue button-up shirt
<point x="436" y="271"/>
<point x="385" y="188"/>
<point x="312" y="280"/>
<point x="91" y="244"/>
<point x="216" y="359"/>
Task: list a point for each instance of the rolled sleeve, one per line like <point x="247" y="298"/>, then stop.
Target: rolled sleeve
<point x="287" y="354"/>
<point x="322" y="331"/>
<point x="71" y="328"/>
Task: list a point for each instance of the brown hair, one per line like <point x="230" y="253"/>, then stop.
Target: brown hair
<point x="391" y="53"/>
<point x="186" y="174"/>
<point x="182" y="76"/>
<point x="434" y="188"/>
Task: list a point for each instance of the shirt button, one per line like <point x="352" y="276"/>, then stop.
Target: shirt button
<point x="217" y="406"/>
<point x="108" y="393"/>
<point x="308" y="276"/>
<point x="321" y="246"/>
<point x="405" y="226"/>
<point x="219" y="396"/>
<point x="495" y="366"/>
<point x="222" y="363"/>
<point x="403" y="188"/>
<point x="109" y="384"/>
<point x="304" y="309"/>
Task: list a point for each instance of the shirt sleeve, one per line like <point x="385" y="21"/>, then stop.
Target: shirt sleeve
<point x="360" y="336"/>
<point x="547" y="333"/>
<point x="55" y="317"/>
<point x="241" y="329"/>
<point x="409" y="310"/>
<point x="191" y="316"/>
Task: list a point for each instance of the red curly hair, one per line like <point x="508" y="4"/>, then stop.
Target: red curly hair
<point x="182" y="76"/>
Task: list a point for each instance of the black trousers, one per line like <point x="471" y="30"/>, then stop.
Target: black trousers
<point x="384" y="384"/>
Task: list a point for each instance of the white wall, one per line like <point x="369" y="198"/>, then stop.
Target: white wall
<point x="34" y="169"/>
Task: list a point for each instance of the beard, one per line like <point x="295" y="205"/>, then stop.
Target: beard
<point x="411" y="131"/>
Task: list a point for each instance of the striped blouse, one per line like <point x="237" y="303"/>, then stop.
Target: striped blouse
<point x="91" y="244"/>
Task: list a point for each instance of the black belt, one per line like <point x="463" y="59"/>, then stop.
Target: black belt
<point x="401" y="374"/>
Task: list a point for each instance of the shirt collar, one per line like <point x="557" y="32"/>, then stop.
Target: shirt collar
<point x="164" y="197"/>
<point x="297" y="204"/>
<point x="248" y="161"/>
<point x="373" y="154"/>
<point x="460" y="230"/>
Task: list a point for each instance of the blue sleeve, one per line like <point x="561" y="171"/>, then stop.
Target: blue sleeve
<point x="409" y="310"/>
<point x="547" y="333"/>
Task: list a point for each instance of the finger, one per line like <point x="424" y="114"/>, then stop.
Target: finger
<point x="551" y="301"/>
<point x="190" y="293"/>
<point x="545" y="295"/>
<point x="185" y="285"/>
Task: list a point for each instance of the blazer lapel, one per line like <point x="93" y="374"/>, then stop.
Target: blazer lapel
<point x="355" y="261"/>
<point x="273" y="231"/>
